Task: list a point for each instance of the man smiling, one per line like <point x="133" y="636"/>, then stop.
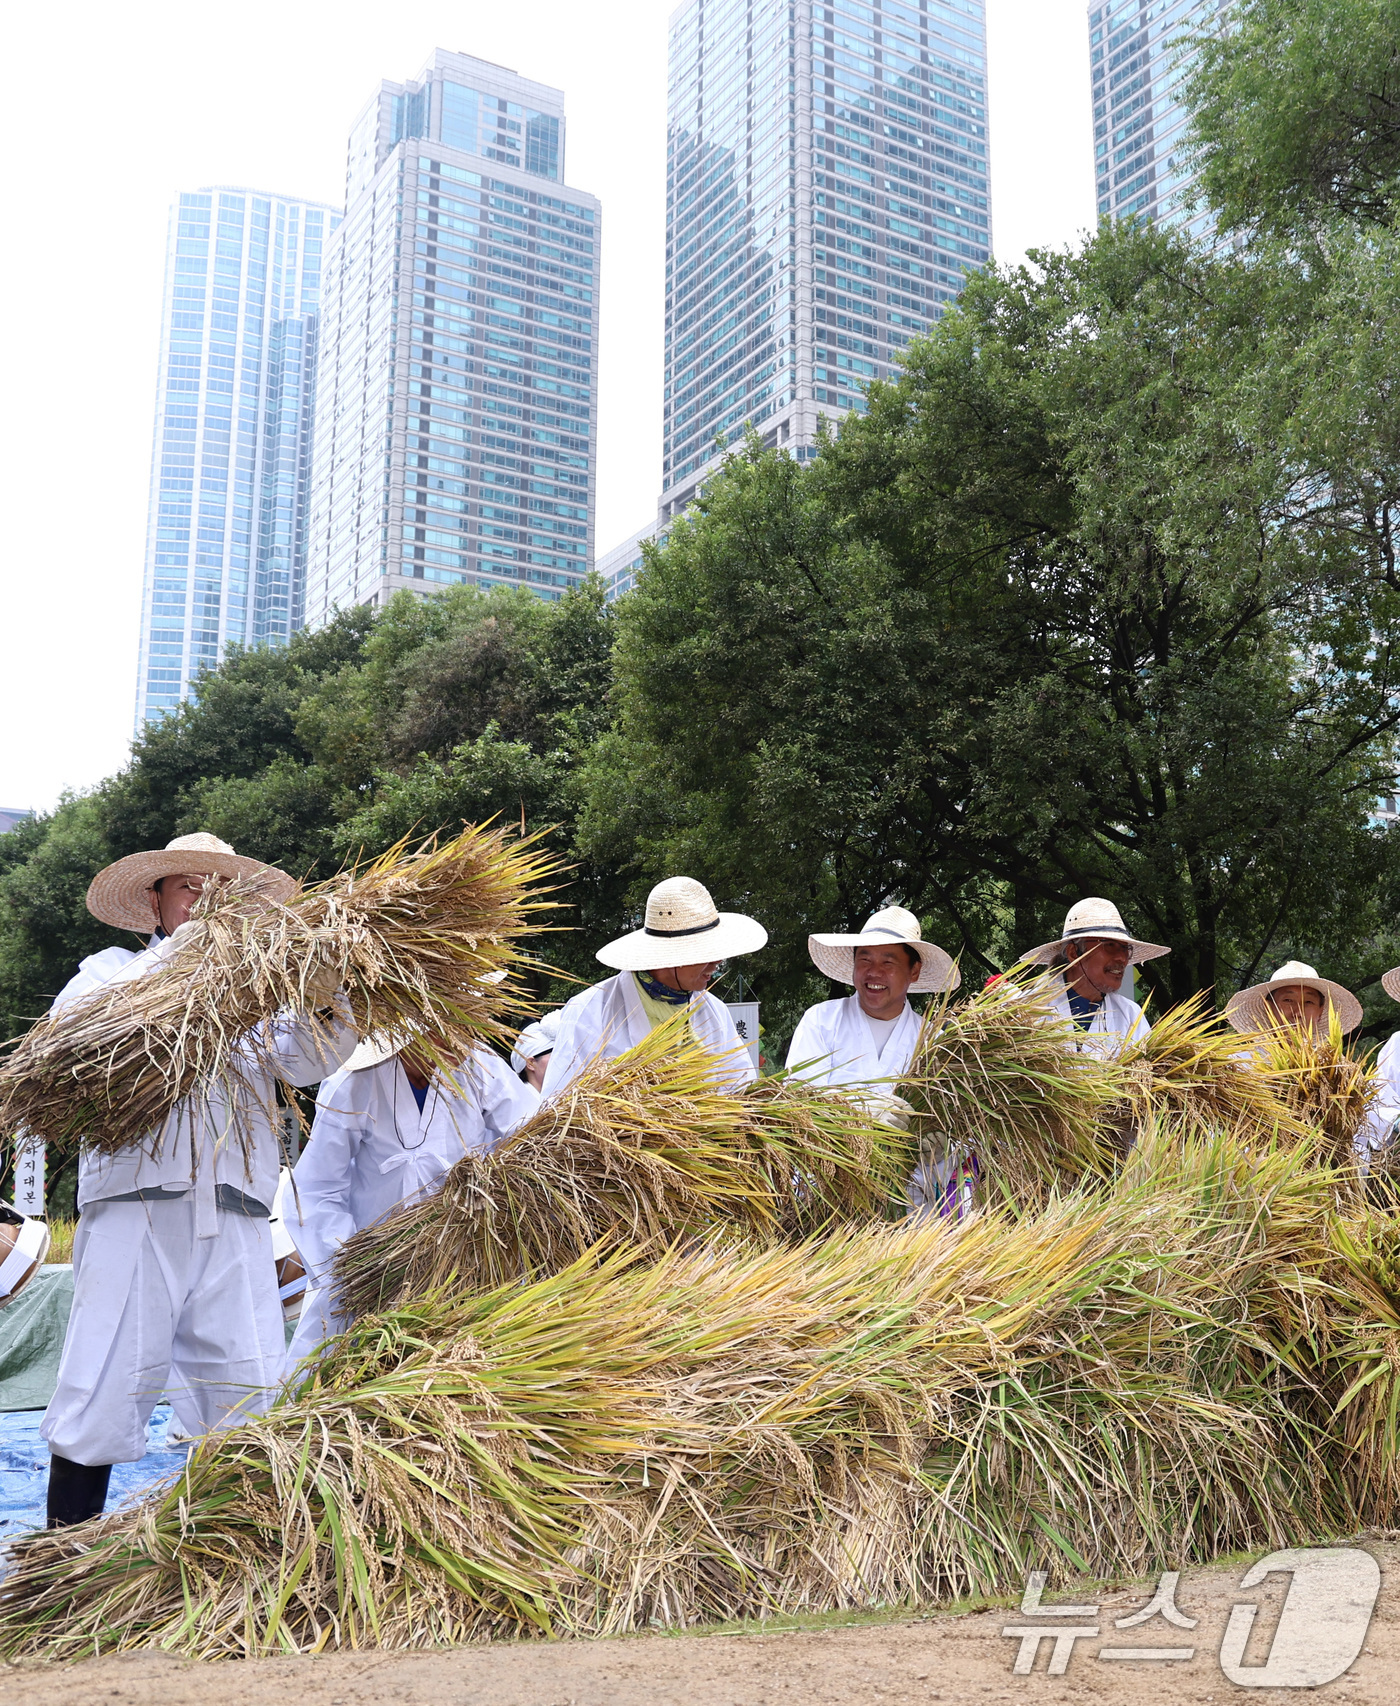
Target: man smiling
<point x="870" y="1035"/>
<point x="1090" y="961"/>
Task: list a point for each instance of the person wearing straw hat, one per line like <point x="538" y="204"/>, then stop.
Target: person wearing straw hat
<point x="869" y="1035"/>
<point x="529" y="1059"/>
<point x="1088" y="964"/>
<point x="605" y="1021"/>
<point x="1295" y="995"/>
<point x="388" y="1129"/>
<point x="175" y="1288"/>
<point x="1383" y="1127"/>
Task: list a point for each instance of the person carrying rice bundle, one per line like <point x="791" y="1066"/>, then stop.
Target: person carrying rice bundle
<point x="866" y="1041"/>
<point x="387" y="1131"/>
<point x="1296" y="998"/>
<point x="1087" y="966"/>
<point x="870" y="1035"/>
<point x="605" y="1021"/>
<point x="175" y="1288"/>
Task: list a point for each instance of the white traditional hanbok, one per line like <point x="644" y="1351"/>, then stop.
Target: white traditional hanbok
<point x="608" y="1019"/>
<point x="835" y="1043"/>
<point x="175" y="1290"/>
<point x="372" y="1148"/>
<point x="1117" y="1022"/>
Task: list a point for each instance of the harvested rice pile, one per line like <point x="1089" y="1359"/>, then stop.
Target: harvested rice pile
<point x="642" y="1150"/>
<point x="408" y="938"/>
<point x="1197" y="1073"/>
<point x="997" y="1076"/>
<point x="893" y="1415"/>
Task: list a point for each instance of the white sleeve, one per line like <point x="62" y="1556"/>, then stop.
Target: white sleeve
<point x="809" y="1052"/>
<point x="717" y="1031"/>
<point x="1385" y="1110"/>
<point x="574" y="1046"/>
<point x="318" y="1208"/>
<point x="92" y="974"/>
<point x="506" y="1101"/>
<point x="302" y="1049"/>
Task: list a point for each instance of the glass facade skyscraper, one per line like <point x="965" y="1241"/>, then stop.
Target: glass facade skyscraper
<point x="225" y="541"/>
<point x="1139" y="53"/>
<point x="827" y="193"/>
<point x="456" y="397"/>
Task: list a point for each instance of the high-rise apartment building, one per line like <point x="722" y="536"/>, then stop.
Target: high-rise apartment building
<point x="1140" y="52"/>
<point x="826" y="193"/>
<point x="456" y="397"/>
<point x="225" y="538"/>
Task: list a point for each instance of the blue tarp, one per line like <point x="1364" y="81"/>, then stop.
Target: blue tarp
<point x="24" y="1468"/>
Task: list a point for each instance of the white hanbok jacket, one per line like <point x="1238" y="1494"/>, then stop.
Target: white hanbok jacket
<point x="1385" y="1110"/>
<point x="609" y="1019"/>
<point x="228" y="1135"/>
<point x="1118" y="1022"/>
<point x="370" y="1148"/>
<point x="834" y="1044"/>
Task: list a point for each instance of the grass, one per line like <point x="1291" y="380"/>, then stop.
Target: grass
<point x="61" y="1240"/>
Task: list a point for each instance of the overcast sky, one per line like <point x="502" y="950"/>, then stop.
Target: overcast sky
<point x="115" y="109"/>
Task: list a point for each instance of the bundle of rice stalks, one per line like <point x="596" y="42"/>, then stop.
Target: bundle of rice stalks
<point x="1198" y="1074"/>
<point x="883" y="1417"/>
<point x="1328" y="1092"/>
<point x="1000" y="1078"/>
<point x="408" y="938"/>
<point x="641" y="1150"/>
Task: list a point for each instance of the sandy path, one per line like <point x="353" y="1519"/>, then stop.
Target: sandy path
<point x="934" y="1659"/>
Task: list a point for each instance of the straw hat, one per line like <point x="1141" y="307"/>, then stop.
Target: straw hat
<point x="120" y="895"/>
<point x="836" y="955"/>
<point x="1098" y="918"/>
<point x="535" y="1039"/>
<point x="1390" y="983"/>
<point x="683" y="928"/>
<point x="1249" y="1010"/>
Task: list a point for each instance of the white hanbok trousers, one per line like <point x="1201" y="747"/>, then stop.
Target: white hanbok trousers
<point x="157" y="1310"/>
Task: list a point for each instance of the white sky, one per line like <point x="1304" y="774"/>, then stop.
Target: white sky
<point x="116" y="108"/>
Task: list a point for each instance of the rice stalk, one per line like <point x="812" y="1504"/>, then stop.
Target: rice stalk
<point x="1196" y="1072"/>
<point x="1135" y="1378"/>
<point x="999" y="1077"/>
<point x="642" y="1149"/>
<point x="1328" y="1092"/>
<point x="408" y="939"/>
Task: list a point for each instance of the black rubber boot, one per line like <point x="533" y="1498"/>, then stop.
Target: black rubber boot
<point x="76" y="1492"/>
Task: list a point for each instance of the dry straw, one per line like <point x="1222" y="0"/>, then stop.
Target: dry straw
<point x="997" y="1076"/>
<point x="407" y="938"/>
<point x="1134" y="1379"/>
<point x="640" y="1150"/>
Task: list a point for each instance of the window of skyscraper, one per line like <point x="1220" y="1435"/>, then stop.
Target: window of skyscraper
<point x="459" y="117"/>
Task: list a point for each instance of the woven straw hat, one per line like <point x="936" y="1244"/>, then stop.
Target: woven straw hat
<point x="120" y="895"/>
<point x="836" y="955"/>
<point x="535" y="1039"/>
<point x="1250" y="1011"/>
<point x="1390" y="983"/>
<point x="1093" y="917"/>
<point x="683" y="928"/>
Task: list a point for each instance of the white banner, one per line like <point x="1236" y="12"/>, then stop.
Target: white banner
<point x="29" y="1175"/>
<point x="745" y="1017"/>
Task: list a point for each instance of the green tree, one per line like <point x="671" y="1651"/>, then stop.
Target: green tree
<point x="1072" y="610"/>
<point x="1297" y="115"/>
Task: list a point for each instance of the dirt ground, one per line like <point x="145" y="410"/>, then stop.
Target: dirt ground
<point x="938" y="1658"/>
